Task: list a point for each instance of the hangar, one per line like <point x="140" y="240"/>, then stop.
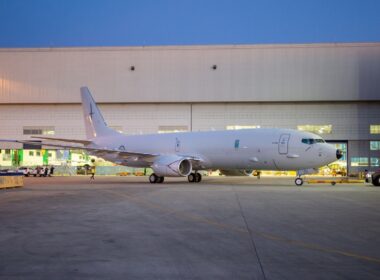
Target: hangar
<point x="329" y="89"/>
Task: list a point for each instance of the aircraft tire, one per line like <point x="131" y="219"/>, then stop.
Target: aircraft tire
<point x="198" y="177"/>
<point x="153" y="178"/>
<point x="160" y="179"/>
<point x="376" y="181"/>
<point x="191" y="178"/>
<point x="298" y="181"/>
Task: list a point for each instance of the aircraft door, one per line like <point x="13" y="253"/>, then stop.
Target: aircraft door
<point x="283" y="144"/>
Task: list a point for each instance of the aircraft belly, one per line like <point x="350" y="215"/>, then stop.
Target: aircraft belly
<point x="285" y="163"/>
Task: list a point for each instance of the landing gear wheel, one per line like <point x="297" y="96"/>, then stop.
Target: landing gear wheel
<point x="376" y="181"/>
<point x="191" y="178"/>
<point x="299" y="182"/>
<point x="153" y="178"/>
<point x="198" y="177"/>
<point x="160" y="179"/>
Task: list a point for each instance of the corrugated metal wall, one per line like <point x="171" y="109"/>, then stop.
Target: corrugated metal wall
<point x="322" y="72"/>
<point x="349" y="121"/>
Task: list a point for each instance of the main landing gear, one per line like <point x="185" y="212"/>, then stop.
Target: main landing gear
<point x="153" y="178"/>
<point x="194" y="177"/>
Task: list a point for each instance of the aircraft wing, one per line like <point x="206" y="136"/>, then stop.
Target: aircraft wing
<point x="84" y="142"/>
<point x="98" y="151"/>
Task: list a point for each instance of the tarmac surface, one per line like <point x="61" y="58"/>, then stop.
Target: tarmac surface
<point x="222" y="228"/>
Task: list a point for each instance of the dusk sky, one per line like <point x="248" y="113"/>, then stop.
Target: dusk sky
<point x="49" y="23"/>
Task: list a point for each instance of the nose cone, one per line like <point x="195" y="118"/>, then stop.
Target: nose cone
<point x="339" y="154"/>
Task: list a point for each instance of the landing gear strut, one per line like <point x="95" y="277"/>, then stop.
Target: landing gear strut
<point x="153" y="178"/>
<point x="194" y="177"/>
<point x="299" y="180"/>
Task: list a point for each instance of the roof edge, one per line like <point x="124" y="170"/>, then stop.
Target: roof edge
<point x="192" y="47"/>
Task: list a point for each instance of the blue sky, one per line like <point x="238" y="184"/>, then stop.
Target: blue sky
<point x="55" y="23"/>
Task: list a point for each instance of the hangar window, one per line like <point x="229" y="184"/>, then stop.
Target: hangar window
<point x="38" y="130"/>
<point x="318" y="129"/>
<point x="7" y="155"/>
<point x="375" y="161"/>
<point x="375" y="145"/>
<point x="237" y="127"/>
<point x="359" y="161"/>
<point x="172" y="128"/>
<point x="374" y="128"/>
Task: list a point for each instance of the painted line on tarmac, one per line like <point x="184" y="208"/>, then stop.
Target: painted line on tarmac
<point x="268" y="236"/>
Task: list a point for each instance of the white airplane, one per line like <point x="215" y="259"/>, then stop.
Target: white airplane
<point x="184" y="154"/>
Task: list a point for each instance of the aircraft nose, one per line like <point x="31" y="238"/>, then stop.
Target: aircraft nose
<point x="339" y="154"/>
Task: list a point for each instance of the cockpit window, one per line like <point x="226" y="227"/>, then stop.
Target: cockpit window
<point x="310" y="141"/>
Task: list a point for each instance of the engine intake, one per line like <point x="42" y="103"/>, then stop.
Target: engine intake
<point x="172" y="166"/>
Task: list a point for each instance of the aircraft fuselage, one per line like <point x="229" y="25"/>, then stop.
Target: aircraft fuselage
<point x="261" y="149"/>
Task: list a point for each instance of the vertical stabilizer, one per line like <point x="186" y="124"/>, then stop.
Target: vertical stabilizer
<point x="93" y="119"/>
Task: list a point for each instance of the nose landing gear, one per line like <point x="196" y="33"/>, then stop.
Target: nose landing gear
<point x="299" y="181"/>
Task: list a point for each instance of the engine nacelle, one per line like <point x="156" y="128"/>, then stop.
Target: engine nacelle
<point x="236" y="172"/>
<point x="172" y="166"/>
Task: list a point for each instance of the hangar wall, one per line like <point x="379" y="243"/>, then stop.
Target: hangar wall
<point x="314" y="72"/>
<point x="349" y="121"/>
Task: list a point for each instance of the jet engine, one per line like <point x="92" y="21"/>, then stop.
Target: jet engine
<point x="172" y="166"/>
<point x="236" y="172"/>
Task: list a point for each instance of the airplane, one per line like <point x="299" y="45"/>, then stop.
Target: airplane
<point x="185" y="154"/>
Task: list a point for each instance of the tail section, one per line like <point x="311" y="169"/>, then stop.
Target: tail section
<point x="93" y="119"/>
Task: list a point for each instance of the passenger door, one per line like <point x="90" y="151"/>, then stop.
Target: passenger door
<point x="283" y="144"/>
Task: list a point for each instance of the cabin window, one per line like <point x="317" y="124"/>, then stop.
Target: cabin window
<point x="237" y="143"/>
<point x="310" y="141"/>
